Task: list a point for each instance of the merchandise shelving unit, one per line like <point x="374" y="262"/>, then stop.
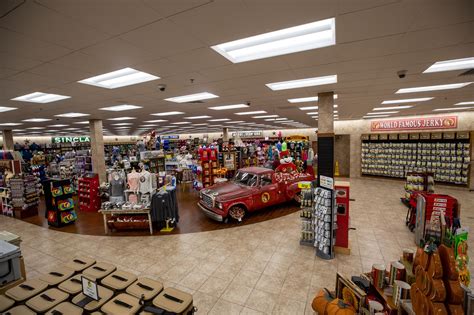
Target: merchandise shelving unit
<point x="24" y="196"/>
<point x="88" y="192"/>
<point x="59" y="202"/>
<point x="446" y="154"/>
<point x="156" y="164"/>
<point x="307" y="218"/>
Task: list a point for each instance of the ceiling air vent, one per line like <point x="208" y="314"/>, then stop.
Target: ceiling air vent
<point x="468" y="72"/>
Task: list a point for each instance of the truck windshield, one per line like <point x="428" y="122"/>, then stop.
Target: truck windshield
<point x="247" y="179"/>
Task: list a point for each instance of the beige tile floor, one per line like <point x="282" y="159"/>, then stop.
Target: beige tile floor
<point x="253" y="269"/>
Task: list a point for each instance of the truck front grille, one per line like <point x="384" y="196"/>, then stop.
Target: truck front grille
<point x="208" y="201"/>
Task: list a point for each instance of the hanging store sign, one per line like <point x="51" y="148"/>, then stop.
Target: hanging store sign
<point x="168" y="137"/>
<point x="443" y="122"/>
<point x="248" y="134"/>
<point x="70" y="139"/>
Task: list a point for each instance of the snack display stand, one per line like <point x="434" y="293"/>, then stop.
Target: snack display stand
<point x="88" y="192"/>
<point x="59" y="202"/>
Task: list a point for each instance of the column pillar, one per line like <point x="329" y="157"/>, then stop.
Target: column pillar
<point x="97" y="148"/>
<point x="225" y="135"/>
<point x="8" y="140"/>
<point x="326" y="134"/>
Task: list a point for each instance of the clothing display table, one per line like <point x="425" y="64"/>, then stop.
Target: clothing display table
<point x="110" y="212"/>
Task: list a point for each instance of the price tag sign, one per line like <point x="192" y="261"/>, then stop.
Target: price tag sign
<point x="326" y="182"/>
<point x="304" y="185"/>
<point x="89" y="288"/>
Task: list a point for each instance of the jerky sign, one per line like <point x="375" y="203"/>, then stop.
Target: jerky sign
<point x="444" y="122"/>
<point x="70" y="139"/>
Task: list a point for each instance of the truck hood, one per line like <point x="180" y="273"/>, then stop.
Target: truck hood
<point x="227" y="191"/>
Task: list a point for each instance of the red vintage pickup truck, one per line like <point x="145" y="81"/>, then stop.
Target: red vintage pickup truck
<point x="251" y="189"/>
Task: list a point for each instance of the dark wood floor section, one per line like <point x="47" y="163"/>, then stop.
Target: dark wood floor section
<point x="191" y="218"/>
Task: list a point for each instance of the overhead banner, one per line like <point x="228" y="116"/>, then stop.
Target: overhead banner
<point x="442" y="122"/>
<point x="248" y="134"/>
<point x="70" y="139"/>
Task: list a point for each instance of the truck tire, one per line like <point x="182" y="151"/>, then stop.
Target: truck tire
<point x="237" y="212"/>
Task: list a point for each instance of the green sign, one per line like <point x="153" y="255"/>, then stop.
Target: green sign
<point x="70" y="139"/>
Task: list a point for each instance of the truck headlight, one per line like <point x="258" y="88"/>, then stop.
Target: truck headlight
<point x="219" y="205"/>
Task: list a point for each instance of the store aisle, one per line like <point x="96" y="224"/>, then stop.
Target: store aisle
<point x="250" y="269"/>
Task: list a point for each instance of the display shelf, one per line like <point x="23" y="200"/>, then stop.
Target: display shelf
<point x="324" y="222"/>
<point x="306" y="215"/>
<point x="59" y="202"/>
<point x="448" y="159"/>
<point x="24" y="196"/>
<point x="88" y="193"/>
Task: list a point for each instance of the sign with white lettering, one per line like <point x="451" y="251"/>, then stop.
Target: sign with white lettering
<point x="443" y="122"/>
<point x="248" y="134"/>
<point x="70" y="139"/>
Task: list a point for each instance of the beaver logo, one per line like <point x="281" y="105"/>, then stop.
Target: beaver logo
<point x="265" y="197"/>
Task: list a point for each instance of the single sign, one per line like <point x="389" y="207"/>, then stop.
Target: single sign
<point x="89" y="288"/>
<point x="443" y="122"/>
<point x="304" y="185"/>
<point x="326" y="182"/>
<point x="248" y="134"/>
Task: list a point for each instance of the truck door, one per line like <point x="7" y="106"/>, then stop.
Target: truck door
<point x="269" y="193"/>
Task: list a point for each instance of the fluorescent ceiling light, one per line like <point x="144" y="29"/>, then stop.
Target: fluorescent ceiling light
<point x="119" y="78"/>
<point x="191" y="97"/>
<point x="6" y="109"/>
<point x="85" y="122"/>
<point x="314" y="117"/>
<point x="306" y="99"/>
<point x="449" y="65"/>
<point x="10" y="124"/>
<point x="124" y="127"/>
<point x="452" y="109"/>
<point x="294" y="84"/>
<point x="252" y="113"/>
<point x="335" y="112"/>
<point x="167" y="113"/>
<point x="224" y="107"/>
<point x="234" y="122"/>
<point x="312" y="113"/>
<point x="144" y="126"/>
<point x="408" y="100"/>
<point x="57" y="126"/>
<point x="433" y="88"/>
<point x="379" y="116"/>
<point x="72" y="115"/>
<point x="36" y="128"/>
<point x="281" y="118"/>
<point x="393" y="107"/>
<point x="266" y="116"/>
<point x="155" y="121"/>
<point x="122" y="124"/>
<point x="36" y="120"/>
<point x="200" y="124"/>
<point x="197" y="117"/>
<point x="119" y="108"/>
<point x="40" y="97"/>
<point x="219" y="119"/>
<point x="465" y="103"/>
<point x="282" y="42"/>
<point x="382" y="113"/>
<point x="122" y="118"/>
<point x="181" y="123"/>
<point x="309" y="107"/>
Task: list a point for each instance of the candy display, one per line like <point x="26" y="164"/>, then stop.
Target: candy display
<point x="60" y="204"/>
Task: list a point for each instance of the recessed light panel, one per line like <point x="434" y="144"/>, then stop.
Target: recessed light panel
<point x="119" y="78"/>
<point x="312" y="113"/>
<point x="197" y="117"/>
<point x="301" y="83"/>
<point x="72" y="115"/>
<point x="306" y="99"/>
<point x="408" y="100"/>
<point x="166" y="114"/>
<point x="122" y="124"/>
<point x="452" y="109"/>
<point x="10" y="124"/>
<point x="122" y="118"/>
<point x="285" y="41"/>
<point x="219" y="119"/>
<point x="393" y="107"/>
<point x="155" y="121"/>
<point x="224" y="107"/>
<point x="465" y="103"/>
<point x="36" y="128"/>
<point x="382" y="113"/>
<point x="266" y="116"/>
<point x="36" y="120"/>
<point x="6" y="109"/>
<point x="119" y="108"/>
<point x="40" y="97"/>
<point x="57" y="126"/>
<point x="234" y="122"/>
<point x="450" y="65"/>
<point x="309" y="107"/>
<point x="191" y="97"/>
<point x="252" y="113"/>
<point x="181" y="123"/>
<point x="85" y="122"/>
<point x="433" y="88"/>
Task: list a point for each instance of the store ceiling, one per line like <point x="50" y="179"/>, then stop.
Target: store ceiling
<point x="49" y="45"/>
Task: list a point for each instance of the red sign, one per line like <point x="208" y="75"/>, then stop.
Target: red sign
<point x="443" y="122"/>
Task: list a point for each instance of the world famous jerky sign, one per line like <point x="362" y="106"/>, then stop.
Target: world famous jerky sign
<point x="427" y="123"/>
<point x="70" y="139"/>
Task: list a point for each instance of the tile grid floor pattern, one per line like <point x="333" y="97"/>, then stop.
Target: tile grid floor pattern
<point x="252" y="269"/>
